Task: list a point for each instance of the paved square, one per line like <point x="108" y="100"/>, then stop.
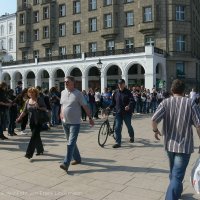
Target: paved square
<point x="137" y="171"/>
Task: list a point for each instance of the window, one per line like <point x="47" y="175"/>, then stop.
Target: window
<point x="45" y="32"/>
<point x="62" y="51"/>
<point x="24" y="55"/>
<point x="21" y="36"/>
<point x="180" y="13"/>
<point x="77" y="27"/>
<point x="77" y="49"/>
<point x="45" y="12"/>
<point x="129" y="19"/>
<point x="35" y="2"/>
<point x="21" y="19"/>
<point x="36" y="35"/>
<point x="147" y="14"/>
<point x="2" y="44"/>
<point x="36" y="16"/>
<point x="61" y="30"/>
<point x="10" y="44"/>
<point x="107" y="21"/>
<point x="93" y="24"/>
<point x="107" y="2"/>
<point x="62" y="10"/>
<point x="24" y="3"/>
<point x="129" y="43"/>
<point x="2" y="30"/>
<point x="180" y="43"/>
<point x="10" y="28"/>
<point x="48" y="52"/>
<point x="110" y="45"/>
<point x="128" y="1"/>
<point x="93" y="47"/>
<point x="92" y="4"/>
<point x="77" y="7"/>
<point x="149" y="40"/>
<point x="36" y="54"/>
<point x="180" y="69"/>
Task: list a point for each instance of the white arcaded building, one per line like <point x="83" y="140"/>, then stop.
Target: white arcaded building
<point x="145" y="67"/>
<point x="8" y="37"/>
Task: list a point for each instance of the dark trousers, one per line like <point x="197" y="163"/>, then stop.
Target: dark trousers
<point x="98" y="105"/>
<point x="24" y="122"/>
<point x="35" y="141"/>
<point x="12" y="119"/>
<point x="2" y="119"/>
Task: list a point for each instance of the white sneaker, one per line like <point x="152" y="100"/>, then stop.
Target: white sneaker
<point x="23" y="133"/>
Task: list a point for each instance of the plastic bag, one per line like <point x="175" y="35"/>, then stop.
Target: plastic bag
<point x="195" y="176"/>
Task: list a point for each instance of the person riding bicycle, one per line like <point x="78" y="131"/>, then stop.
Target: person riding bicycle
<point x="123" y="103"/>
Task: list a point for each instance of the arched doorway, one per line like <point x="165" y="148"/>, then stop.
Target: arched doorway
<point x="94" y="78"/>
<point x="59" y="79"/>
<point x="44" y="79"/>
<point x="17" y="77"/>
<point x="31" y="79"/>
<point x="160" y="82"/>
<point x="136" y="75"/>
<point x="113" y="74"/>
<point x="76" y="72"/>
<point x="6" y="78"/>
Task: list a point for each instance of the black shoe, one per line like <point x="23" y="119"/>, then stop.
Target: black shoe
<point x="131" y="140"/>
<point x="64" y="167"/>
<point x="116" y="146"/>
<point x="28" y="156"/>
<point x="14" y="133"/>
<point x="38" y="154"/>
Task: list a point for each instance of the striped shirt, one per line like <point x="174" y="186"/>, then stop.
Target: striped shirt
<point x="178" y="114"/>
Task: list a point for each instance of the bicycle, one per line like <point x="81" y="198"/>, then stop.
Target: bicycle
<point x="106" y="130"/>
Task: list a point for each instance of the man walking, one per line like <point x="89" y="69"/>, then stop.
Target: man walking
<point x="71" y="102"/>
<point x="123" y="103"/>
<point x="179" y="114"/>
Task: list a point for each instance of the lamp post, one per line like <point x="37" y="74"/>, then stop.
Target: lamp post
<point x="99" y="66"/>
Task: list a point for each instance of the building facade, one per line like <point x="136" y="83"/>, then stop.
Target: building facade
<point x="80" y="31"/>
<point x="8" y="37"/>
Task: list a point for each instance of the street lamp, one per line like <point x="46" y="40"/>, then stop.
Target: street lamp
<point x="99" y="65"/>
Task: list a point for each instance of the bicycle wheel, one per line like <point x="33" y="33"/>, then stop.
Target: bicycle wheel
<point x="103" y="134"/>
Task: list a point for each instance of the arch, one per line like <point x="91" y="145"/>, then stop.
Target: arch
<point x="59" y="75"/>
<point x="30" y="76"/>
<point x="113" y="73"/>
<point x="127" y="67"/>
<point x="76" y="72"/>
<point x="160" y="76"/>
<point x="6" y="77"/>
<point x="94" y="76"/>
<point x="136" y="75"/>
<point x="43" y="78"/>
<point x="105" y="69"/>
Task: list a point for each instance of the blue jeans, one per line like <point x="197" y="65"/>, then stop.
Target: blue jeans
<point x="178" y="163"/>
<point x="54" y="114"/>
<point x="71" y="132"/>
<point x="119" y="118"/>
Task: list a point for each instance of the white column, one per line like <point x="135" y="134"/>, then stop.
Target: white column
<point x="12" y="84"/>
<point x="51" y="82"/>
<point x="85" y="83"/>
<point x="150" y="80"/>
<point x="38" y="81"/>
<point x="103" y="82"/>
<point x="24" y="82"/>
<point x="125" y="77"/>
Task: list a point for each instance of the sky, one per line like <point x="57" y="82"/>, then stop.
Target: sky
<point x="8" y="6"/>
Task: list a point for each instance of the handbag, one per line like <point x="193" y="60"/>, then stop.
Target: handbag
<point x="42" y="116"/>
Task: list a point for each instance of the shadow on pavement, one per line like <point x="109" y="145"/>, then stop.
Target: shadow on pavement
<point x="188" y="197"/>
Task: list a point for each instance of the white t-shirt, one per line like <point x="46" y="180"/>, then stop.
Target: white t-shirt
<point x="71" y="103"/>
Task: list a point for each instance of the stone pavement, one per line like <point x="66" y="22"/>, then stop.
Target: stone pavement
<point x="137" y="171"/>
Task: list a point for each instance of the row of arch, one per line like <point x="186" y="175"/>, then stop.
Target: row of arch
<point x="135" y="73"/>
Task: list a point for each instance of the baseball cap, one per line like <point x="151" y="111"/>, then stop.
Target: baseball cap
<point x="120" y="81"/>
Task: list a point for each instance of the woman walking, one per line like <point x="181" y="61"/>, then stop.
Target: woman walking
<point x="33" y="106"/>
